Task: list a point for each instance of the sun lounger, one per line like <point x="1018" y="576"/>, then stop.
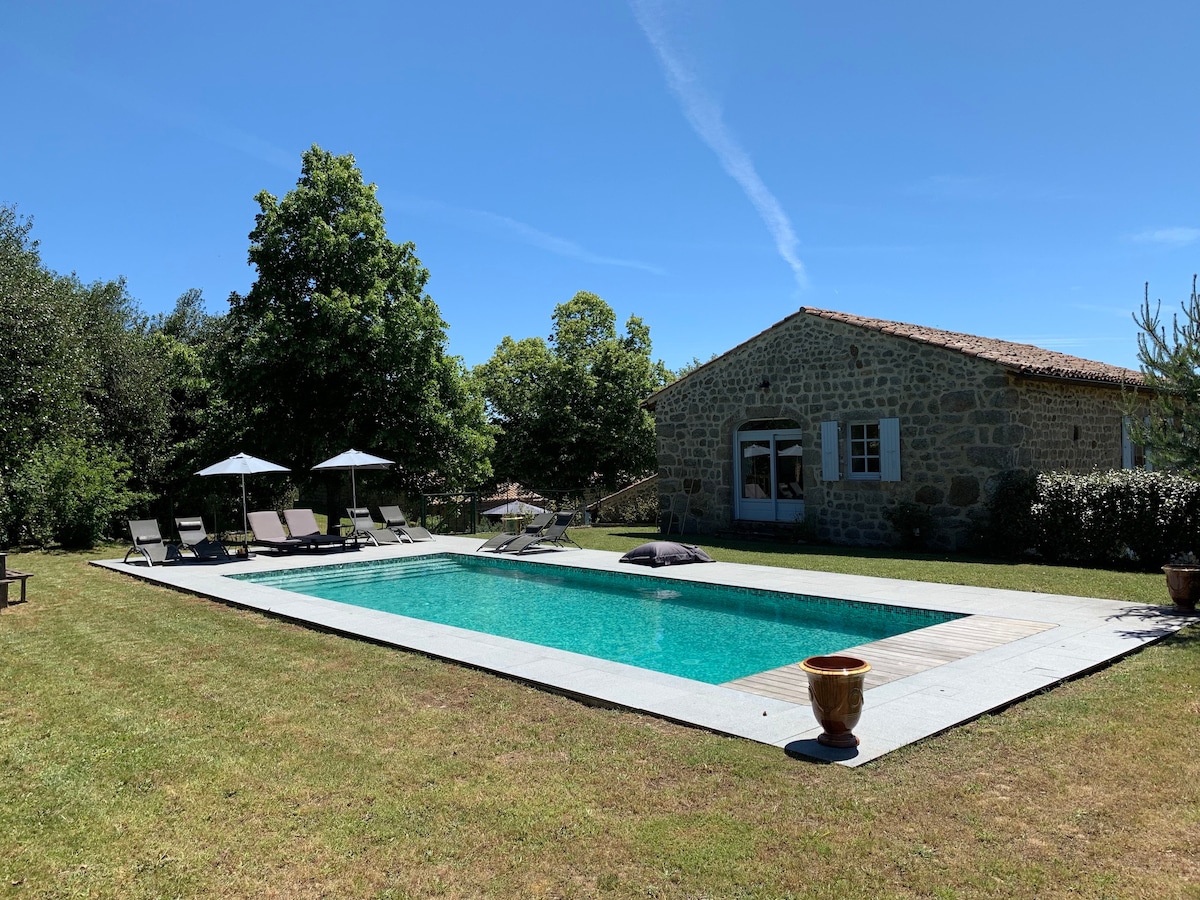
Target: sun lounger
<point x="148" y="541"/>
<point x="554" y="534"/>
<point x="535" y="527"/>
<point x="193" y="536"/>
<point x="268" y="532"/>
<point x="303" y="525"/>
<point x="394" y="519"/>
<point x="364" y="526"/>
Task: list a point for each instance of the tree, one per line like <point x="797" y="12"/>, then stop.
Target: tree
<point x="187" y="343"/>
<point x="74" y="400"/>
<point x="1170" y="364"/>
<point x="689" y="368"/>
<point x="570" y="410"/>
<point x="337" y="345"/>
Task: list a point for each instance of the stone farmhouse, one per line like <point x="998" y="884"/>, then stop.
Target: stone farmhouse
<point x="828" y="418"/>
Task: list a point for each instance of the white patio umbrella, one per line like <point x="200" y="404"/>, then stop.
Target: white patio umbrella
<point x="513" y="507"/>
<point x="242" y="464"/>
<point x="352" y="460"/>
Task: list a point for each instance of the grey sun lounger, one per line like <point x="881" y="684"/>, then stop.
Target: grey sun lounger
<point x="364" y="526"/>
<point x="268" y="532"/>
<point x="148" y="541"/>
<point x="193" y="536"/>
<point x="554" y="534"/>
<point x="394" y="519"/>
<point x="536" y="525"/>
<point x="303" y="525"/>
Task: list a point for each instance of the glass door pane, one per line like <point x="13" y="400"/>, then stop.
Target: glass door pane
<point x="756" y="469"/>
<point x="788" y="467"/>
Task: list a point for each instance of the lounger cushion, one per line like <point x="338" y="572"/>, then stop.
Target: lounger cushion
<point x="665" y="553"/>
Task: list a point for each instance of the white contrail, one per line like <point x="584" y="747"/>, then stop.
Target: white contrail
<point x="482" y="220"/>
<point x="704" y="115"/>
<point x="1167" y="237"/>
<point x="560" y="246"/>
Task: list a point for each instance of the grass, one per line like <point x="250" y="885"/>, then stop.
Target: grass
<point x="158" y="745"/>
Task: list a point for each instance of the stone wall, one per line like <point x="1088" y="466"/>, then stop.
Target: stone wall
<point x="962" y="419"/>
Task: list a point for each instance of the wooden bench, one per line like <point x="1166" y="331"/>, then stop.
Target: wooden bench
<point x="11" y="576"/>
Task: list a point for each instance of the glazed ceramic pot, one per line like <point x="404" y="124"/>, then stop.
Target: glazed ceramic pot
<point x="835" y="689"/>
<point x="1183" y="584"/>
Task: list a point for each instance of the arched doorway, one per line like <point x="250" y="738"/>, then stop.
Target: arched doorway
<point x="768" y="460"/>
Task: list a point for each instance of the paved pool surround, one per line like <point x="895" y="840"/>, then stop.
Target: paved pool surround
<point x="1083" y="634"/>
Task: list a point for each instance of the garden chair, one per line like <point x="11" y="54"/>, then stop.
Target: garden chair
<point x="364" y="526"/>
<point x="193" y="536"/>
<point x="394" y="519"/>
<point x="535" y="527"/>
<point x="303" y="525"/>
<point x="268" y="531"/>
<point x="554" y="534"/>
<point x="148" y="541"/>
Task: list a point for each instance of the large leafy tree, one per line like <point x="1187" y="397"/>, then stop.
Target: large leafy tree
<point x="337" y="345"/>
<point x="569" y="409"/>
<point x="80" y="395"/>
<point x="1170" y="363"/>
<point x="187" y="343"/>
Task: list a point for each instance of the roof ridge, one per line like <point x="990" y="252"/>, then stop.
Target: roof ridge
<point x="1026" y="358"/>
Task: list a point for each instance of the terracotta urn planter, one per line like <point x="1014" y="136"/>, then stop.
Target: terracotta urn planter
<point x="1183" y="584"/>
<point x="835" y="689"/>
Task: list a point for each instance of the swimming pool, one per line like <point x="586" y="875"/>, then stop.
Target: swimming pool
<point x="709" y="633"/>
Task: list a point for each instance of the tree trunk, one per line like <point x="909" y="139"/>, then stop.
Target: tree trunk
<point x="333" y="496"/>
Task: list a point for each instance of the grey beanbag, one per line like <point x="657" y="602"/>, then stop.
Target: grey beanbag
<point x="665" y="553"/>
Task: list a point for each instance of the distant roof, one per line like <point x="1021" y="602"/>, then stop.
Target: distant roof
<point x="512" y="490"/>
<point x="1023" y="358"/>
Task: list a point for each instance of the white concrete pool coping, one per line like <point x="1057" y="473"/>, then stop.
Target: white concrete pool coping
<point x="1086" y="634"/>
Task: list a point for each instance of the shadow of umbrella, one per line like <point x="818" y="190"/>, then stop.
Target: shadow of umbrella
<point x="242" y="464"/>
<point x="352" y="460"/>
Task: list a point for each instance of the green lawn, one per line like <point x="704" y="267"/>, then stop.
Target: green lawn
<point x="154" y="744"/>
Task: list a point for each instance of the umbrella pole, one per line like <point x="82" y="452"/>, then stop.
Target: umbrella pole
<point x="353" y="490"/>
<point x="245" y="526"/>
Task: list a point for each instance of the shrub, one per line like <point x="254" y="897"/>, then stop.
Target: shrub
<point x="1126" y="517"/>
<point x="69" y="493"/>
<point x="1008" y="529"/>
<point x="639" y="509"/>
<point x="913" y="522"/>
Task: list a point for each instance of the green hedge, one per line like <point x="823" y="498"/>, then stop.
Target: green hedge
<point x="1121" y="518"/>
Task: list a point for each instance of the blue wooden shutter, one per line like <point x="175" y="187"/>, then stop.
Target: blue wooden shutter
<point x="889" y="449"/>
<point x="831" y="468"/>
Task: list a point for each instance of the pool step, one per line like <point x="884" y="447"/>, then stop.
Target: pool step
<point x="360" y="573"/>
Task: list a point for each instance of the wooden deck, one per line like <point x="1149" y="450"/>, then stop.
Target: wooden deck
<point x="900" y="656"/>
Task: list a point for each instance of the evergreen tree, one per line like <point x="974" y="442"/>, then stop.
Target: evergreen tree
<point x="1170" y="363"/>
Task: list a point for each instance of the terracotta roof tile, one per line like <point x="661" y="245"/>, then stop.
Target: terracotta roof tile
<point x="1024" y="358"/>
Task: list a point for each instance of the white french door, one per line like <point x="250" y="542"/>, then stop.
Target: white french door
<point x="769" y="480"/>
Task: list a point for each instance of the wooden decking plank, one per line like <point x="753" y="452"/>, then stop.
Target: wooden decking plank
<point x="901" y="655"/>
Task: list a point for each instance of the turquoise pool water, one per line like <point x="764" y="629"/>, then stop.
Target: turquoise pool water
<point x="709" y="633"/>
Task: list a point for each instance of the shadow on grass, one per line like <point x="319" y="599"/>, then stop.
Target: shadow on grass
<point x="811" y="750"/>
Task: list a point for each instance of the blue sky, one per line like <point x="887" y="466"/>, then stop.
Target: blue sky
<point x="1013" y="170"/>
